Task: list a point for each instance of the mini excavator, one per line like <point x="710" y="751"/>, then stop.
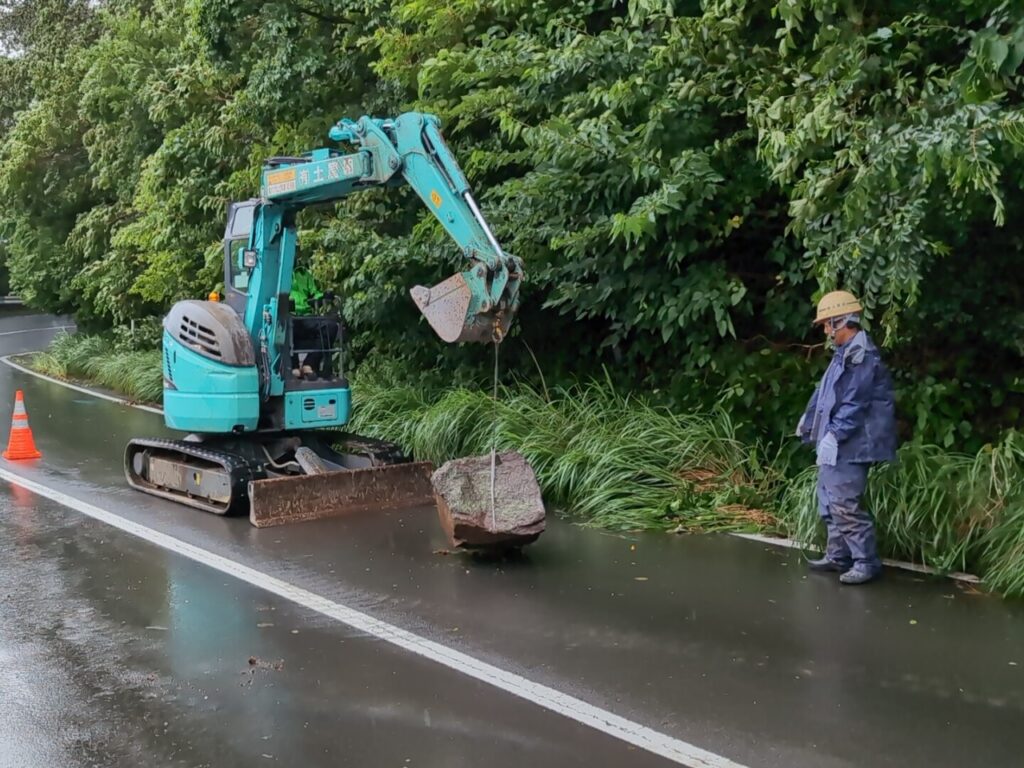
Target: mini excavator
<point x="261" y="438"/>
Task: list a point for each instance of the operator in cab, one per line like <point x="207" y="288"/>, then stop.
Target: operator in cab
<point x="314" y="333"/>
<point x="851" y="421"/>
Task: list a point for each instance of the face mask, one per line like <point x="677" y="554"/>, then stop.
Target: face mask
<point x="835" y="324"/>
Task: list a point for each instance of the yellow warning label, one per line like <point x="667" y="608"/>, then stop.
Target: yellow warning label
<point x="435" y="198"/>
<point x="280" y="182"/>
<point x="281" y="177"/>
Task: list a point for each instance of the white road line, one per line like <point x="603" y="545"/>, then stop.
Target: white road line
<point x="83" y="390"/>
<point x="37" y="330"/>
<point x="541" y="695"/>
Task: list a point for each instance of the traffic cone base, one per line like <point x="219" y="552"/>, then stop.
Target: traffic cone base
<point x="20" y="445"/>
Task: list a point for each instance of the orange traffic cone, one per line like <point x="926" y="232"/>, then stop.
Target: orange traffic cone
<point x="20" y="445"/>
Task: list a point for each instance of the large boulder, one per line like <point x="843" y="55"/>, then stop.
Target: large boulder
<point x="462" y="489"/>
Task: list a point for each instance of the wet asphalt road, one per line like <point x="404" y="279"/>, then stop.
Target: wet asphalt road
<point x="116" y="652"/>
<point x="724" y="643"/>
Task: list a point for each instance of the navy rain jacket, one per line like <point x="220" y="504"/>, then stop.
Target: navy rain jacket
<point x="855" y="402"/>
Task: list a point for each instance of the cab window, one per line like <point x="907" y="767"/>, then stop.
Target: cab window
<point x="236" y="240"/>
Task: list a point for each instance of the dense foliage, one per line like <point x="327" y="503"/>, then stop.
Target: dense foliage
<point x="681" y="178"/>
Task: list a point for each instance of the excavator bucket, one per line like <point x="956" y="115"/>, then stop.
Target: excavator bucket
<point x="446" y="306"/>
<point x="280" y="500"/>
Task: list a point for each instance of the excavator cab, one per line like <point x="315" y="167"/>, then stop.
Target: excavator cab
<point x="315" y="340"/>
<point x="309" y="357"/>
<point x="317" y="344"/>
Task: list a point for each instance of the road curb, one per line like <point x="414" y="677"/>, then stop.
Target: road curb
<point x="968" y="578"/>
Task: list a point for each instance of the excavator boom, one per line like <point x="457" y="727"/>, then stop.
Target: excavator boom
<point x="476" y="304"/>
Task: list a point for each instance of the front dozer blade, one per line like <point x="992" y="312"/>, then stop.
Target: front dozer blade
<point x="447" y="308"/>
<point x="281" y="500"/>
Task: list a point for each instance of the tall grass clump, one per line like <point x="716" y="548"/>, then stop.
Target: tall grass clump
<point x="135" y="374"/>
<point x="999" y="472"/>
<point x="611" y="459"/>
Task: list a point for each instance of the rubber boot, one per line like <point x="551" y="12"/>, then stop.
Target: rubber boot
<point x="860" y="574"/>
<point x="826" y="564"/>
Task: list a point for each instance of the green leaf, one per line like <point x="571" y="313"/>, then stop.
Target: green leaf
<point x="997" y="51"/>
<point x="1013" y="59"/>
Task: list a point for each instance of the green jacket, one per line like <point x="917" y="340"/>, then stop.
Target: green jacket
<point x="304" y="291"/>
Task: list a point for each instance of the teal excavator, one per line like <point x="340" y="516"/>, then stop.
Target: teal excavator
<point x="262" y="437"/>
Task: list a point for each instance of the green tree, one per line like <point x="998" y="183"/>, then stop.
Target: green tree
<point x="682" y="178"/>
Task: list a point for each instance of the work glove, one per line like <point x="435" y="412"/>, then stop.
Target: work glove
<point x="828" y="450"/>
<point x="800" y="426"/>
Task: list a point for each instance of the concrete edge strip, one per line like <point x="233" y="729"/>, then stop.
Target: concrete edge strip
<point x="969" y="578"/>
<point x="37" y="330"/>
<point x="84" y="390"/>
<point x="541" y="695"/>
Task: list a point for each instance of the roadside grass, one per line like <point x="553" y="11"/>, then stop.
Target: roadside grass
<point x="137" y="375"/>
<point x="616" y="461"/>
<point x="611" y="460"/>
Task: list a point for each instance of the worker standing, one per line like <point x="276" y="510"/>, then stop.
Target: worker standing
<point x="851" y="421"/>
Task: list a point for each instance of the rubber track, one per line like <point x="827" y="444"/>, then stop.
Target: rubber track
<point x="239" y="469"/>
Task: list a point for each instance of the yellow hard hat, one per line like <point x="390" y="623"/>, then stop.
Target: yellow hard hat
<point x="836" y="304"/>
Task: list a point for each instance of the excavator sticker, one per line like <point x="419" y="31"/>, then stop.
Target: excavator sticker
<point x="281" y="181"/>
<point x="435" y="198"/>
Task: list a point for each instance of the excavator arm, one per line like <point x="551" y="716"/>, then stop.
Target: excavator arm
<point x="474" y="305"/>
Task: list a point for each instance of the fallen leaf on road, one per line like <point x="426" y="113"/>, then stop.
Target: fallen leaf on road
<point x="257" y="663"/>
